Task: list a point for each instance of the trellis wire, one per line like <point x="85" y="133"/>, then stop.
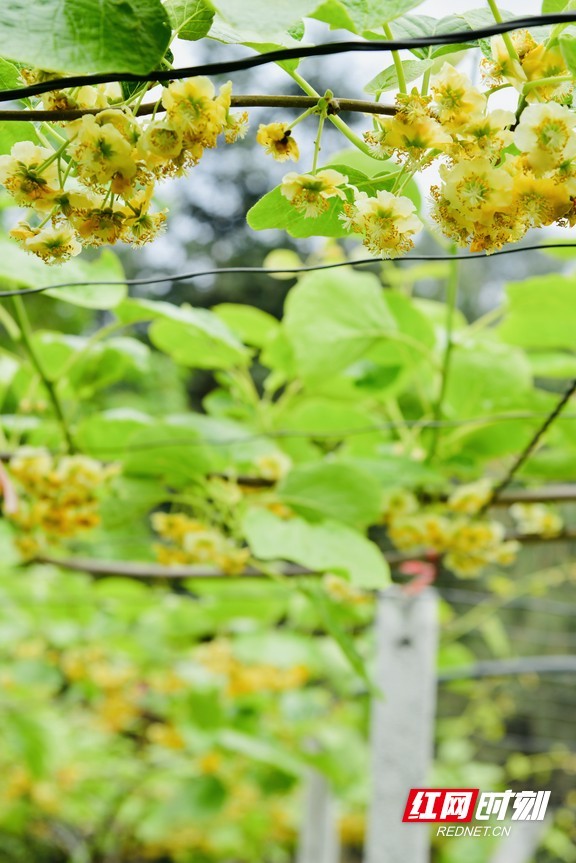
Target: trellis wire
<point x="322" y="50"/>
<point x="222" y="271"/>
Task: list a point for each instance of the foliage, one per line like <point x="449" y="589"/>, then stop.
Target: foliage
<point x="368" y="434"/>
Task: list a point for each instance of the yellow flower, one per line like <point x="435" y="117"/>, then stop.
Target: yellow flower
<point x="99" y="226"/>
<point x="24" y="175"/>
<point x="277" y="140"/>
<point x="542" y="200"/>
<point x="468" y="499"/>
<point x="546" y="134"/>
<point x="502" y="67"/>
<point x="102" y="152"/>
<point x="536" y="518"/>
<point x="386" y="222"/>
<point x="192" y="109"/>
<point x="543" y="62"/>
<point x="310" y="193"/>
<point x="408" y="137"/>
<point x="273" y="465"/>
<point x="486" y="136"/>
<point x="236" y="127"/>
<point x="53" y="244"/>
<point x="476" y="189"/>
<point x="456" y="100"/>
<point x="159" y="145"/>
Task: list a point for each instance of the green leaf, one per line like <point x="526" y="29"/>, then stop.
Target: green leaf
<point x="107" y="435"/>
<point x="252" y="325"/>
<point x="328" y="615"/>
<point x="388" y="79"/>
<point x="19" y="269"/>
<point x="11" y="133"/>
<point x="332" y="319"/>
<point x="197" y="338"/>
<point x="552" y="365"/>
<point x="264" y="17"/>
<point x="551" y="6"/>
<point x="360" y="15"/>
<point x="501" y="376"/>
<point x="103" y="364"/>
<point x="331" y="490"/>
<point x="168" y="450"/>
<point x="262" y="750"/>
<point x="83" y="36"/>
<point x="192" y="19"/>
<point x="541" y="312"/>
<point x="325" y="546"/>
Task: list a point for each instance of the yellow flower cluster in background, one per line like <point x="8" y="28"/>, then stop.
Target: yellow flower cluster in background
<point x="243" y="678"/>
<point x="189" y="541"/>
<point x="459" y="532"/>
<point x="58" y="497"/>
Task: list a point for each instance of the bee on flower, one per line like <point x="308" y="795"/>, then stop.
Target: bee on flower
<point x="386" y="222"/>
<point x="310" y="193"/>
<point x="278" y="141"/>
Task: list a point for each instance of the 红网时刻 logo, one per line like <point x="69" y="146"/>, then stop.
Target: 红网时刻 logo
<point x="464" y="805"/>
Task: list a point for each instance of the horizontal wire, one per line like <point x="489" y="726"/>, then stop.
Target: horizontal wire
<point x="282" y="54"/>
<point x="218" y="271"/>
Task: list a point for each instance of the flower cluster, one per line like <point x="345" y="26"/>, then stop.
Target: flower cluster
<point x="537" y="519"/>
<point x="94" y="185"/>
<point x="189" y="541"/>
<point x="456" y="531"/>
<point x="57" y="497"/>
<point x="499" y="176"/>
<point x="243" y="679"/>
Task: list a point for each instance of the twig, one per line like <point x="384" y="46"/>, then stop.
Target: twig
<point x="130" y="569"/>
<point x="530" y="447"/>
<point x="240" y="101"/>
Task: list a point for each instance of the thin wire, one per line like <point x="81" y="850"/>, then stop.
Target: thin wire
<point x="323" y="50"/>
<point x="281" y="434"/>
<point x="219" y="271"/>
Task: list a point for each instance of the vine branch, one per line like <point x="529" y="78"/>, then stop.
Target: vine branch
<point x="334" y="106"/>
<point x="130" y="569"/>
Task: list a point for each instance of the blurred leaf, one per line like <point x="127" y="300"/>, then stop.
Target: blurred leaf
<point x="324" y="546"/>
<point x="540" y="312"/>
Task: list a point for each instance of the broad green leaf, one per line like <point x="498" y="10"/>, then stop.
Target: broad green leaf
<point x="363" y="14"/>
<point x="55" y="350"/>
<point x="197" y="338"/>
<point x="541" y="312"/>
<point x="260" y="39"/>
<point x="259" y="749"/>
<point x="21" y="270"/>
<point x="104" y="363"/>
<point x="170" y="451"/>
<point x="252" y="325"/>
<point x="264" y="17"/>
<point x="334" y="318"/>
<point x="327" y="610"/>
<point x="11" y="133"/>
<point x="331" y="490"/>
<point x="551" y="6"/>
<point x="388" y="78"/>
<point x="81" y="36"/>
<point x="275" y="211"/>
<point x="107" y="435"/>
<point x="546" y="364"/>
<point x="501" y="376"/>
<point x="324" y="546"/>
<point x="191" y="19"/>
